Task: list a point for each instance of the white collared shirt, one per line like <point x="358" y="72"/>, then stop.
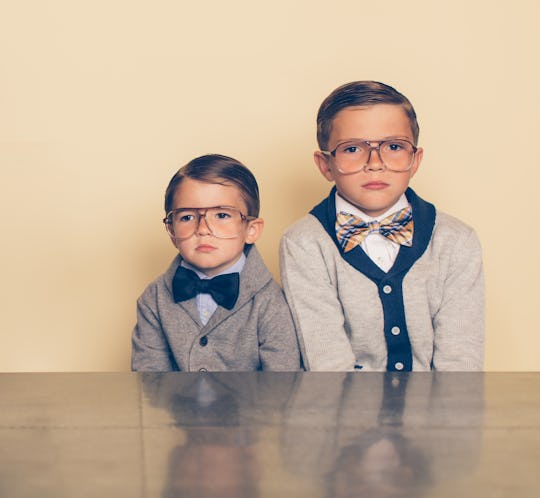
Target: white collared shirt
<point x="382" y="251"/>
<point x="205" y="303"/>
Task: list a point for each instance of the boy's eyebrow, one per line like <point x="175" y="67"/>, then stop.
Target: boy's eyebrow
<point x="389" y="137"/>
<point x="358" y="139"/>
<point x="205" y="207"/>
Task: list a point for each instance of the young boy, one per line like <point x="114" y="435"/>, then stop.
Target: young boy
<point x="394" y="284"/>
<point x="217" y="306"/>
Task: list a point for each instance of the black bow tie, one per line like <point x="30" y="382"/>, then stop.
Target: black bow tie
<point x="223" y="288"/>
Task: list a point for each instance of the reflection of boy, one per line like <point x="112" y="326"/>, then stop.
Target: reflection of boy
<point x="383" y="434"/>
<point x="382" y="461"/>
<point x="394" y="284"/>
<point x="218" y="457"/>
<point x="379" y="463"/>
<point x="217" y="307"/>
<point x="212" y="464"/>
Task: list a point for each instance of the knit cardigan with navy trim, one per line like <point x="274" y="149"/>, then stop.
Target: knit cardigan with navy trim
<point x="426" y="312"/>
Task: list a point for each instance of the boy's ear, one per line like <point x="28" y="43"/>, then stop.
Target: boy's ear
<point x="254" y="230"/>
<point x="417" y="161"/>
<point x="323" y="163"/>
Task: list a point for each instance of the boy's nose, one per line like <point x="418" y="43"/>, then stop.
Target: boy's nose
<point x="374" y="161"/>
<point x="203" y="228"/>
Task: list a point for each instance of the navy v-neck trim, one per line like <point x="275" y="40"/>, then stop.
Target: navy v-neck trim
<point x="424" y="221"/>
<point x="389" y="285"/>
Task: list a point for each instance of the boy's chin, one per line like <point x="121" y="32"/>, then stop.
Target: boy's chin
<point x="211" y="270"/>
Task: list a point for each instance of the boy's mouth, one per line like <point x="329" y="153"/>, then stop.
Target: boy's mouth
<point x="205" y="248"/>
<point x="375" y="185"/>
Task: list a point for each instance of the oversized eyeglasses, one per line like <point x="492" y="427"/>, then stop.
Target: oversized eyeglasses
<point x="223" y="222"/>
<point x="354" y="155"/>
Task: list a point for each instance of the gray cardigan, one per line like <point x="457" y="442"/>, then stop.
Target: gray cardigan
<point x="428" y="309"/>
<point x="257" y="334"/>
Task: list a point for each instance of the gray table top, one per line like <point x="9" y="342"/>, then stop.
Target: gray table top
<point x="269" y="434"/>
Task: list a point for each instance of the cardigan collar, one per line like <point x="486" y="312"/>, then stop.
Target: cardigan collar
<point x="424" y="215"/>
<point x="254" y="276"/>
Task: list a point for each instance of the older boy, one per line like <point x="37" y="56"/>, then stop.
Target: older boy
<point x="394" y="284"/>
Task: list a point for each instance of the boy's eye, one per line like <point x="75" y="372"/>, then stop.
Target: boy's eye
<point x="350" y="149"/>
<point x="184" y="217"/>
<point x="393" y="146"/>
<point x="223" y="215"/>
<point x="397" y="146"/>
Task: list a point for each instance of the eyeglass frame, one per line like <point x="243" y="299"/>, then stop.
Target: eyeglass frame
<point x="332" y="153"/>
<point x="168" y="222"/>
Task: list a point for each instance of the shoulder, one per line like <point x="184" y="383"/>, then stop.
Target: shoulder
<point x="306" y="228"/>
<point x="450" y="227"/>
<point x="317" y="226"/>
<point x="445" y="221"/>
<point x="255" y="278"/>
<point x="307" y="249"/>
<point x="162" y="284"/>
<point x="451" y="234"/>
<point x="270" y="299"/>
<point x="255" y="268"/>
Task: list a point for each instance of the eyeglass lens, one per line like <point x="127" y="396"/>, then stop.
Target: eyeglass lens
<point x="353" y="156"/>
<point x="222" y="222"/>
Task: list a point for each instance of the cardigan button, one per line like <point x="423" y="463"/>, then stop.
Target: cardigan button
<point x="399" y="366"/>
<point x="203" y="341"/>
<point x="387" y="289"/>
<point x="395" y="330"/>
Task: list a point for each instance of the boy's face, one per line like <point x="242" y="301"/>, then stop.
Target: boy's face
<point x="375" y="189"/>
<point x="204" y="251"/>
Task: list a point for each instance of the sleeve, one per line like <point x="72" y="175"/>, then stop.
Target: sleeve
<point x="150" y="349"/>
<point x="278" y="345"/>
<point x="459" y="322"/>
<point x="316" y="309"/>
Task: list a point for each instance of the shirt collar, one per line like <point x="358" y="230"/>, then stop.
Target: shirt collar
<point x="344" y="205"/>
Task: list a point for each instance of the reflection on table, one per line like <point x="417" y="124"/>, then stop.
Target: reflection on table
<point x="269" y="434"/>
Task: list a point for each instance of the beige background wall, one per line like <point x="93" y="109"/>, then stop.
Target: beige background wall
<point x="100" y="103"/>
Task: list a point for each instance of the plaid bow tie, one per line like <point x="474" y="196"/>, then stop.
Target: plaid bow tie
<point x="223" y="288"/>
<point x="351" y="230"/>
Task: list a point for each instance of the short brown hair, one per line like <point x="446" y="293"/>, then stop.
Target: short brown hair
<point x="360" y="93"/>
<point x="215" y="168"/>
